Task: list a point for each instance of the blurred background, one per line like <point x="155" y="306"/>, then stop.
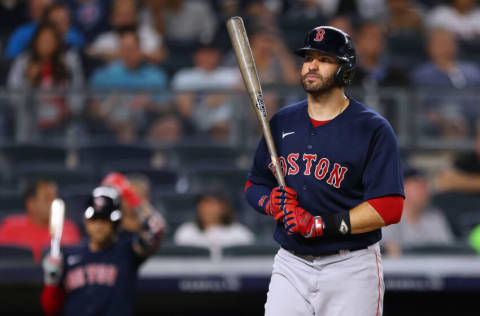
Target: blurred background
<point x="151" y="89"/>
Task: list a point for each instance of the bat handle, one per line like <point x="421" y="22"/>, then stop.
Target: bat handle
<point x="55" y="248"/>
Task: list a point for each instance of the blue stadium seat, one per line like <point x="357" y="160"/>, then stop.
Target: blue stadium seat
<point x="101" y="155"/>
<point x="169" y="250"/>
<point x="10" y="253"/>
<point x="455" y="205"/>
<point x="161" y="179"/>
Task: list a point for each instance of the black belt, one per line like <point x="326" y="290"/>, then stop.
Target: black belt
<point x="325" y="254"/>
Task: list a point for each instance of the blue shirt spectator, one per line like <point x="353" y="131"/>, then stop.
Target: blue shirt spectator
<point x="447" y="113"/>
<point x="117" y="74"/>
<point x="91" y="17"/>
<point x="21" y="38"/>
<point x="56" y="14"/>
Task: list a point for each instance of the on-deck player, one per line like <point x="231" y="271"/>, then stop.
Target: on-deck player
<point x="99" y="276"/>
<point x="344" y="182"/>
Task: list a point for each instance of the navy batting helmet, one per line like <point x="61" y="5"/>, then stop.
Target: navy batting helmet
<point x="104" y="204"/>
<point x="334" y="42"/>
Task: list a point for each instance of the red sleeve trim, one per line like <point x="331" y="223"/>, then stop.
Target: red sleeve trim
<point x="247" y="185"/>
<point x="52" y="299"/>
<point x="389" y="208"/>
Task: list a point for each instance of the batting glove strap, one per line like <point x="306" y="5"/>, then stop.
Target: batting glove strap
<point x="317" y="228"/>
<point x="337" y="224"/>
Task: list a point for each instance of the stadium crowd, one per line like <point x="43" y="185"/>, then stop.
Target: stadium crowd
<point x="100" y="81"/>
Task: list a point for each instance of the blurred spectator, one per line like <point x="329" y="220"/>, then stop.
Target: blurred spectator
<point x="461" y="17"/>
<point x="32" y="229"/>
<point x="184" y="20"/>
<point x="448" y="114"/>
<point x="206" y="72"/>
<point x="214" y="225"/>
<point x="465" y="174"/>
<point x="404" y="17"/>
<point x="274" y="61"/>
<point x="344" y="23"/>
<point x="259" y="15"/>
<point x="124" y="15"/>
<point x="21" y="37"/>
<point x="166" y="129"/>
<point x="374" y="68"/>
<point x="46" y="66"/>
<point x="90" y="16"/>
<point x="12" y="14"/>
<point x="125" y="113"/>
<point x="210" y="110"/>
<point x="130" y="70"/>
<point x="59" y="15"/>
<point x="422" y="224"/>
<point x="43" y="12"/>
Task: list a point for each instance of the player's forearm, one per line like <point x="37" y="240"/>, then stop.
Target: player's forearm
<point x="459" y="180"/>
<point x="152" y="230"/>
<point x="364" y="218"/>
<point x="256" y="196"/>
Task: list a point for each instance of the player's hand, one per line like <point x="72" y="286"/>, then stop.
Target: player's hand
<point x="279" y="198"/>
<point x="52" y="270"/>
<point x="299" y="221"/>
<point x="121" y="184"/>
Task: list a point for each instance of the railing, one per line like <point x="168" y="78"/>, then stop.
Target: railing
<point x="434" y="119"/>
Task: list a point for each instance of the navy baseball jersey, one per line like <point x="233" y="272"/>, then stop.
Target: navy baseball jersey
<point x="100" y="283"/>
<point x="333" y="167"/>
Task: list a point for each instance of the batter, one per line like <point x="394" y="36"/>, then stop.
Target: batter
<point x="343" y="183"/>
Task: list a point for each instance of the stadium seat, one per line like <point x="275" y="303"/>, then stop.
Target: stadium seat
<point x="15" y="254"/>
<point x="20" y="154"/>
<point x="177" y="208"/>
<point x="454" y="205"/>
<point x="232" y="178"/>
<point x="161" y="179"/>
<point x="11" y="200"/>
<point x="193" y="155"/>
<point x="64" y="177"/>
<point x="101" y="155"/>
<point x="170" y="250"/>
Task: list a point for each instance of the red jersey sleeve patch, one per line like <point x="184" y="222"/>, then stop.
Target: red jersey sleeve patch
<point x="389" y="208"/>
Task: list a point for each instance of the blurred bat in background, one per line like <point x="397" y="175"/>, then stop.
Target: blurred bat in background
<point x="57" y="216"/>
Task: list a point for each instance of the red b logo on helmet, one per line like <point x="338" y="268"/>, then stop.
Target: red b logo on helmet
<point x="319" y="35"/>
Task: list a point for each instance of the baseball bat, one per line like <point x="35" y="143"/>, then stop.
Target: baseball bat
<point x="246" y="63"/>
<point x="57" y="216"/>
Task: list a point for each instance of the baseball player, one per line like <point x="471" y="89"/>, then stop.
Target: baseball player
<point x="343" y="183"/>
<point x="99" y="276"/>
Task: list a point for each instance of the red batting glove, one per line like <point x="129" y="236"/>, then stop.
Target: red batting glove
<point x="299" y="221"/>
<point x="276" y="201"/>
<point x="120" y="183"/>
<point x="279" y="198"/>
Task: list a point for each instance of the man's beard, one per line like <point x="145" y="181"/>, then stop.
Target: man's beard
<point x="318" y="87"/>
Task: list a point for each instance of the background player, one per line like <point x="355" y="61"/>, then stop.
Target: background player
<point x="99" y="276"/>
<point x="344" y="182"/>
